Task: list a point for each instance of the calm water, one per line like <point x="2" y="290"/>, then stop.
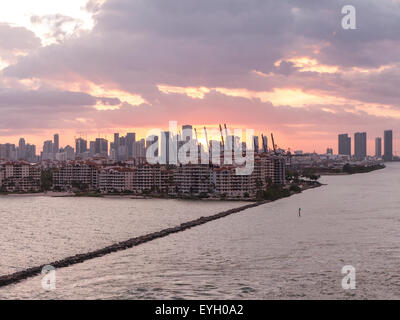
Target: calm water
<point x="265" y="252"/>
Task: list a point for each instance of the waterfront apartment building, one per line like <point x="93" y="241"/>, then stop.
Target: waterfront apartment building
<point x="378" y="147"/>
<point x="115" y="179"/>
<point x="81" y="175"/>
<point x="360" y="145"/>
<point x="269" y="169"/>
<point x="147" y="178"/>
<point x="193" y="179"/>
<point x="228" y="184"/>
<point x="19" y="176"/>
<point x="388" y="145"/>
<point x="344" y="145"/>
<point x="183" y="180"/>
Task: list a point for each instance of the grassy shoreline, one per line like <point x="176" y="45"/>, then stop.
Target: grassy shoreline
<point x="350" y="170"/>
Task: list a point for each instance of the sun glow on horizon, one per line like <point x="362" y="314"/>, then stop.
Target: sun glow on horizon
<point x="195" y="93"/>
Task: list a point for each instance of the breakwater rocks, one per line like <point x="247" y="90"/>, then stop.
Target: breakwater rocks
<point x="79" y="258"/>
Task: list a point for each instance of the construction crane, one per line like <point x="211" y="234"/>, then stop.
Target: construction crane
<point x="255" y="145"/>
<point x="226" y="138"/>
<point x="198" y="145"/>
<point x="205" y="133"/>
<point x="222" y="136"/>
<point x="273" y="144"/>
<point x="264" y="146"/>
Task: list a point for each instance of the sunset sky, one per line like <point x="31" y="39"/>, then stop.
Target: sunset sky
<point x="94" y="67"/>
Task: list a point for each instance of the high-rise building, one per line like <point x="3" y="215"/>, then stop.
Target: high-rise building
<point x="388" y="145"/>
<point x="92" y="148"/>
<point x="80" y="146"/>
<point x="115" y="145"/>
<point x="378" y="147"/>
<point x="122" y="148"/>
<point x="48" y="153"/>
<point x="150" y="140"/>
<point x="344" y="147"/>
<point x="48" y="146"/>
<point x="122" y="153"/>
<point x="21" y="149"/>
<point x="165" y="143"/>
<point x="56" y="144"/>
<point x="66" y="153"/>
<point x="360" y="145"/>
<point x="187" y="132"/>
<point x="30" y="153"/>
<point x="140" y="150"/>
<point x="130" y="143"/>
<point x="101" y="147"/>
<point x="8" y="151"/>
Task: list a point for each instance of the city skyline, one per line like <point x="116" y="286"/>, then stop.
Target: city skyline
<point x="316" y="79"/>
<point x="214" y="152"/>
<point x="356" y="147"/>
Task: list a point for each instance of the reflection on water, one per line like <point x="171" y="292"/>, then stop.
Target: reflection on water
<point x="267" y="252"/>
<point x="37" y="230"/>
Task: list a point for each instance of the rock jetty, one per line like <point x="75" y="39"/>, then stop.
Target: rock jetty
<point x="79" y="258"/>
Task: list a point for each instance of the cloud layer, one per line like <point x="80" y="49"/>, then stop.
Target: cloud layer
<point x="286" y="66"/>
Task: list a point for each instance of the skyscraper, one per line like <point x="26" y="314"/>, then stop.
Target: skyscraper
<point x="165" y="142"/>
<point x="48" y="150"/>
<point x="378" y="147"/>
<point x="56" y="144"/>
<point x="344" y="144"/>
<point x="130" y="141"/>
<point x="92" y="148"/>
<point x="150" y="140"/>
<point x="116" y="145"/>
<point x="360" y="145"/>
<point x="140" y="150"/>
<point x="101" y="147"/>
<point x="80" y="146"/>
<point x="21" y="149"/>
<point x="187" y="132"/>
<point x="388" y="145"/>
<point x="48" y="146"/>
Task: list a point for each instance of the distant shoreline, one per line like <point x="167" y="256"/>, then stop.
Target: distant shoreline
<point x="354" y="170"/>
